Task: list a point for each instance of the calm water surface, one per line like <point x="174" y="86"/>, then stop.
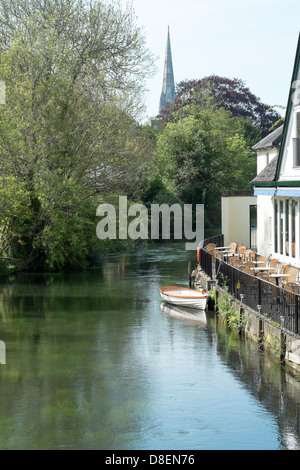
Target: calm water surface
<point x="92" y="362"/>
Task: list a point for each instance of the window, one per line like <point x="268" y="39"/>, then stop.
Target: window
<point x="253" y="227"/>
<point x="285" y="227"/>
<point x="275" y="226"/>
<point x="296" y="142"/>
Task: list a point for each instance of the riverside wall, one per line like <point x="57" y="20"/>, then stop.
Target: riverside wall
<point x="270" y="337"/>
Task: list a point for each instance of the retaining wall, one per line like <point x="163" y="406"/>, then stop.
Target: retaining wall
<point x="275" y="339"/>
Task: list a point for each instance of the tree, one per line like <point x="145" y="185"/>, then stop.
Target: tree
<point x="74" y="72"/>
<point x="203" y="153"/>
<point x="232" y="94"/>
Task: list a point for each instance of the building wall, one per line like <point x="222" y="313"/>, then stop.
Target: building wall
<point x="264" y="157"/>
<point x="265" y="225"/>
<point x="236" y="216"/>
<point x="288" y="172"/>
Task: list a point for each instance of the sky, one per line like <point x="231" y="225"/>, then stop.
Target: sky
<point x="252" y="40"/>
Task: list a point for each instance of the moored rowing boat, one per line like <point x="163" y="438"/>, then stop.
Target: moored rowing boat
<point x="184" y="297"/>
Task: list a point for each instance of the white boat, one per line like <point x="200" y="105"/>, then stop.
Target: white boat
<point x="186" y="314"/>
<point x="184" y="297"/>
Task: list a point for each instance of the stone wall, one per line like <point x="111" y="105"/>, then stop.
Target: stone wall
<point x="275" y="339"/>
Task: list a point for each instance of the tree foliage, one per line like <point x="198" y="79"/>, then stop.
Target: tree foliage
<point x="231" y="94"/>
<point x="203" y="153"/>
<point x="74" y="73"/>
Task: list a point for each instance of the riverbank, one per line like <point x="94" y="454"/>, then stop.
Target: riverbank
<point x="269" y="336"/>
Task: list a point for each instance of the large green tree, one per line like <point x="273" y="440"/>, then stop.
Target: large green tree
<point x="74" y="73"/>
<point x="203" y="153"/>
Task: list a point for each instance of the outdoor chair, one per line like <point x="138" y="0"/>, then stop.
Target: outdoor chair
<point x="218" y="254"/>
<point x="273" y="263"/>
<point x="249" y="255"/>
<point x="292" y="287"/>
<point x="241" y="249"/>
<point x="249" y="264"/>
<point x="293" y="275"/>
<point x="248" y="271"/>
<point x="232" y="247"/>
<point x="210" y="247"/>
<point x="242" y="267"/>
<point x="263" y="275"/>
<point x="263" y="258"/>
<point x="236" y="262"/>
<point x="283" y="268"/>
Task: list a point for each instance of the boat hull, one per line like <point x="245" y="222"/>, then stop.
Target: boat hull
<point x="184" y="297"/>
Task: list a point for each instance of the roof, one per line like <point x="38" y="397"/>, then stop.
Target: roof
<point x="268" y="173"/>
<point x="289" y="107"/>
<point x="271" y="140"/>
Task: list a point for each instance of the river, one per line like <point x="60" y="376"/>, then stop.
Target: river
<point x="92" y="362"/>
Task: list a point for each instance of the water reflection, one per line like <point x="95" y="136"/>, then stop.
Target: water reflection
<point x="2" y="353"/>
<point x="194" y="316"/>
<point x="95" y="360"/>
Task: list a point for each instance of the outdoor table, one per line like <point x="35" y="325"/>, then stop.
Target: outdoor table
<point x="263" y="268"/>
<point x="277" y="276"/>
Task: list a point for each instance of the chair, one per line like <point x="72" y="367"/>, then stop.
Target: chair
<point x="242" y="267"/>
<point x="283" y="267"/>
<point x="233" y="244"/>
<point x="219" y="254"/>
<point x="232" y="247"/>
<point x="249" y="255"/>
<point x="210" y="247"/>
<point x="263" y="258"/>
<point x="273" y="263"/>
<point x="293" y="275"/>
<point x="248" y="271"/>
<point x="236" y="262"/>
<point x="290" y="286"/>
<point x="249" y="264"/>
<point x="263" y="275"/>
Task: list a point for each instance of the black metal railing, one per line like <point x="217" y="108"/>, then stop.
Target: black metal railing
<point x="277" y="303"/>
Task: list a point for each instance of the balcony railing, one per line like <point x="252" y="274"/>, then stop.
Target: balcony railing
<point x="277" y="303"/>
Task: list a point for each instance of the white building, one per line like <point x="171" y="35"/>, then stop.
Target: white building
<point x="239" y="220"/>
<point x="277" y="185"/>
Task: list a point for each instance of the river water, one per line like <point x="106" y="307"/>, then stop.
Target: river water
<point x="93" y="362"/>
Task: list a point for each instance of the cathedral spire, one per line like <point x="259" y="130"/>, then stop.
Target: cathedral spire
<point x="167" y="96"/>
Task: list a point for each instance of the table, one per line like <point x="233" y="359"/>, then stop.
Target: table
<point x="263" y="268"/>
<point x="277" y="276"/>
